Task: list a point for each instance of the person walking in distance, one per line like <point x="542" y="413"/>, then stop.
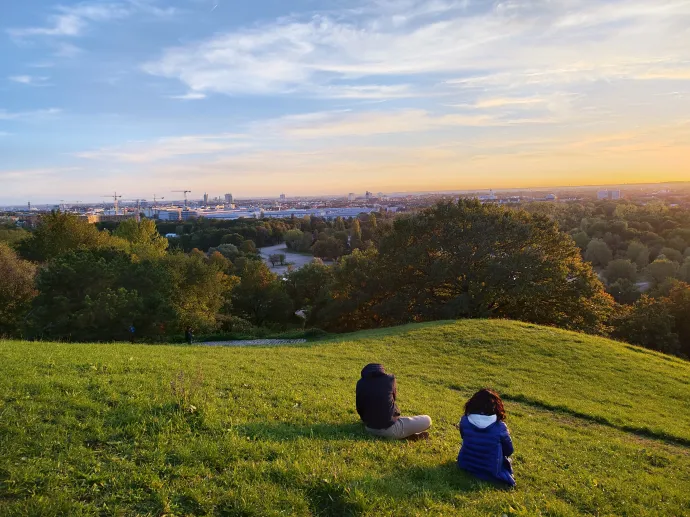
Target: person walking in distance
<point x="189" y="335"/>
<point x="376" y="404"/>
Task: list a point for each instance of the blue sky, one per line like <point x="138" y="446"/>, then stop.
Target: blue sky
<point x="304" y="97"/>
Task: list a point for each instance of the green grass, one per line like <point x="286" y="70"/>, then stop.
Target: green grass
<point x="600" y="428"/>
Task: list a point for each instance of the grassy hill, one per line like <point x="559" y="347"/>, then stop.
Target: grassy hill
<point x="600" y="428"/>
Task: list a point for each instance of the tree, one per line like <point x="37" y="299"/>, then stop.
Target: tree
<point x="309" y="287"/>
<point x="248" y="246"/>
<point x="12" y="236"/>
<point x="229" y="251"/>
<point x="647" y="323"/>
<point x="199" y="291"/>
<point x="260" y="296"/>
<point x="293" y="239"/>
<point x="234" y="238"/>
<point x="678" y="304"/>
<point x="146" y="242"/>
<point x="328" y="248"/>
<point x="96" y="294"/>
<point x="639" y="254"/>
<point x="16" y="290"/>
<point x="282" y="257"/>
<point x="581" y="240"/>
<point x="661" y="269"/>
<point x="624" y="291"/>
<point x="671" y="254"/>
<point x="274" y="259"/>
<point x="58" y="233"/>
<point x="684" y="271"/>
<point x="470" y="260"/>
<point x="356" y="234"/>
<point x="598" y="253"/>
<point x="621" y="269"/>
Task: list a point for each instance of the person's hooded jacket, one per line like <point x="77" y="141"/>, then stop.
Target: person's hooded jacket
<point x="486" y="447"/>
<point x="376" y="393"/>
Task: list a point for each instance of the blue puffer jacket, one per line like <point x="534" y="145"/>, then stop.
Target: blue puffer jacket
<point x="485" y="451"/>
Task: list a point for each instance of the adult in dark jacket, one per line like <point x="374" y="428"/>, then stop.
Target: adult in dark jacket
<point x="486" y="443"/>
<point x="376" y="395"/>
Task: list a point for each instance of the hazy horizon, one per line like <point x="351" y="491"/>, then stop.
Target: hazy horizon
<point x="258" y="98"/>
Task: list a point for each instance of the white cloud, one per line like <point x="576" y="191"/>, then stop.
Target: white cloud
<point x="189" y="96"/>
<point x="30" y="80"/>
<point x="73" y="21"/>
<point x="29" y="115"/>
<point x="525" y="41"/>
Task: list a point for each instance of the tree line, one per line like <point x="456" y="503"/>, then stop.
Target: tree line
<point x="70" y="280"/>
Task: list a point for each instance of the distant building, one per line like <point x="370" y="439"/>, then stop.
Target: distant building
<point x="228" y="199"/>
<point x="551" y="197"/>
<point x="613" y="195"/>
<point x="351" y="197"/>
<point x="205" y="199"/>
<point x="282" y="197"/>
<point x="368" y="195"/>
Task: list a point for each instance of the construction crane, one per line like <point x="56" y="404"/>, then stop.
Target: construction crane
<point x="155" y="201"/>
<point x="138" y="214"/>
<point x="115" y="200"/>
<point x="185" y="192"/>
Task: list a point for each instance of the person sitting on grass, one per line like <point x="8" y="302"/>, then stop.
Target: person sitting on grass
<point x="486" y="443"/>
<point x="376" y="394"/>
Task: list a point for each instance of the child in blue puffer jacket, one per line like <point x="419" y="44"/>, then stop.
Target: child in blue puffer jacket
<point x="486" y="443"/>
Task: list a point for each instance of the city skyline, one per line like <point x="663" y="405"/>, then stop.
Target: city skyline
<point x="395" y="96"/>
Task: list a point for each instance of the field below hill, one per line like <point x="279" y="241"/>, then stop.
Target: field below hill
<point x="599" y="427"/>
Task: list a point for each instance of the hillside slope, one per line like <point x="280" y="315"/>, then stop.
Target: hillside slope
<point x="599" y="427"/>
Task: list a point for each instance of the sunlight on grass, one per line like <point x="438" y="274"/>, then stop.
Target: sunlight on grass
<point x="599" y="427"/>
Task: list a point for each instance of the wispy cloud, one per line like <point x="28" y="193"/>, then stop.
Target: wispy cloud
<point x="29" y="80"/>
<point x="29" y="115"/>
<point x="191" y="96"/>
<point x="521" y="41"/>
<point x="72" y="21"/>
<point x="167" y="148"/>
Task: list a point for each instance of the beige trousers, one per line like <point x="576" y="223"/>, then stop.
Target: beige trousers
<point x="404" y="427"/>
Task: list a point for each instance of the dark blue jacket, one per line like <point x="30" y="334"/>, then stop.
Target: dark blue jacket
<point x="376" y="393"/>
<point x="485" y="452"/>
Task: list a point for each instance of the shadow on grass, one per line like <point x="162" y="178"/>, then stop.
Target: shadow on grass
<point x="643" y="432"/>
<point x="280" y="431"/>
<point x="444" y="481"/>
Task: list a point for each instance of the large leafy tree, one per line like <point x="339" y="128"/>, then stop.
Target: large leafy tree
<point x="145" y="241"/>
<point x="472" y="260"/>
<point x="97" y="294"/>
<point x="648" y="323"/>
<point x="200" y="289"/>
<point x="16" y="290"/>
<point x="260" y="297"/>
<point x="59" y="232"/>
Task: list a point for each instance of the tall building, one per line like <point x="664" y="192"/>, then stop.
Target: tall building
<point x="282" y="197"/>
<point x="351" y="197"/>
<point x="368" y="195"/>
<point x="228" y="199"/>
<point x="609" y="194"/>
<point x="205" y="199"/>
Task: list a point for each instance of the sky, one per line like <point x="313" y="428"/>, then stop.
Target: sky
<point x="307" y="97"/>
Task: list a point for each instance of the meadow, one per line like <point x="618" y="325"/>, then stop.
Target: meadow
<point x="600" y="427"/>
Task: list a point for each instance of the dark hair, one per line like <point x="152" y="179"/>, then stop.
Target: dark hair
<point x="486" y="402"/>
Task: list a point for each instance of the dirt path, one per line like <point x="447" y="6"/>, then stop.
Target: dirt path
<point x="256" y="342"/>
